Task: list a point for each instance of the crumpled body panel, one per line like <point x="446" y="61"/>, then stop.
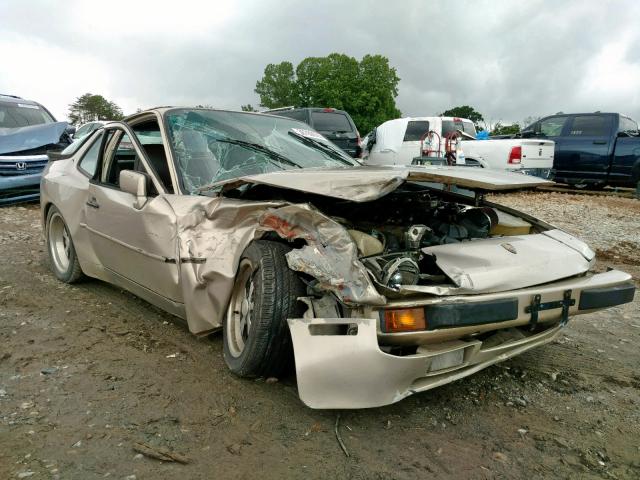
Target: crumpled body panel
<point x="212" y="233"/>
<point x="507" y="263"/>
<point x="27" y="138"/>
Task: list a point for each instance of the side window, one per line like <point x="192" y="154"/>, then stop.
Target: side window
<point x="415" y="130"/>
<point x="590" y="126"/>
<point x="119" y="155"/>
<point x="552" y="126"/>
<point x="150" y="138"/>
<point x="83" y="130"/>
<point x="89" y="161"/>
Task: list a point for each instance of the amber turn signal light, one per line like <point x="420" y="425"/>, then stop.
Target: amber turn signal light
<point x="404" y="320"/>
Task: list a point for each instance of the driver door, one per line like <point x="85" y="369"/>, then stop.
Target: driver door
<point x="132" y="242"/>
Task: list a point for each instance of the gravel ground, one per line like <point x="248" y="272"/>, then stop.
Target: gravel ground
<point x="89" y="372"/>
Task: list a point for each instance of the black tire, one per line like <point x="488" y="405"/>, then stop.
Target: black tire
<point x="271" y="291"/>
<point x="62" y="253"/>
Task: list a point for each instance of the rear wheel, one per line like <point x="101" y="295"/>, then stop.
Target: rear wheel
<point x="256" y="336"/>
<point x="62" y="253"/>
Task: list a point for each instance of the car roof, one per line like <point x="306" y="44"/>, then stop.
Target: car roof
<point x="15" y="99"/>
<point x="167" y="108"/>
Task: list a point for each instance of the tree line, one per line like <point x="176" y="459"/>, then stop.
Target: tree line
<point x="365" y="88"/>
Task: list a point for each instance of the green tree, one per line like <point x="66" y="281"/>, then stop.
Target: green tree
<point x="247" y="108"/>
<point x="89" y="107"/>
<point x="465" y="111"/>
<point x="366" y="89"/>
<point x="499" y="129"/>
<point x="278" y="86"/>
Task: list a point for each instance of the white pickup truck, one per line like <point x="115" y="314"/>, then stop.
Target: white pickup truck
<point x="399" y="141"/>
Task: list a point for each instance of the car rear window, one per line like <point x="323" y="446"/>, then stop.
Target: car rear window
<point x="15" y="115"/>
<point x="415" y="130"/>
<point x="295" y="114"/>
<point x="590" y="126"/>
<point x="331" y="122"/>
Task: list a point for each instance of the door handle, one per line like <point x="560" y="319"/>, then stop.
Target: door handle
<point x="599" y="142"/>
<point x="93" y="203"/>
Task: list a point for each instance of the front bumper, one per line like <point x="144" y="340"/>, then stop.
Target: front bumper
<point x="346" y="368"/>
<point x="19" y="188"/>
<point x="20" y="177"/>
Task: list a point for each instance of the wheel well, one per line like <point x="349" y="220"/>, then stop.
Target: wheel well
<point x="45" y="213"/>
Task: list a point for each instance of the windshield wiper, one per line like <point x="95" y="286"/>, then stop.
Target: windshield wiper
<point x="260" y="148"/>
<point x="322" y="147"/>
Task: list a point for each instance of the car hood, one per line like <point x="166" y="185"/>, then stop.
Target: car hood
<point x="364" y="183"/>
<point x="26" y="138"/>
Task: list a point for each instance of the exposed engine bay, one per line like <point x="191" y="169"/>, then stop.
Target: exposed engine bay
<point x="391" y="232"/>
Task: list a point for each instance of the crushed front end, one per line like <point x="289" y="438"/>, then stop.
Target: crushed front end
<point x="423" y="287"/>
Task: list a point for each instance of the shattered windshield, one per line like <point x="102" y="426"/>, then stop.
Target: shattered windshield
<point x="211" y="146"/>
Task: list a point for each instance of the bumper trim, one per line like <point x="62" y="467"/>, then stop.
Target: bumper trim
<point x="607" y="296"/>
<point x="477" y="313"/>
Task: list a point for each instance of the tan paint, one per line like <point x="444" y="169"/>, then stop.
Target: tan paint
<point x="181" y="252"/>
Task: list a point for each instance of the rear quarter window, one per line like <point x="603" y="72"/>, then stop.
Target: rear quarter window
<point x="590" y="126"/>
<point x="330" y="122"/>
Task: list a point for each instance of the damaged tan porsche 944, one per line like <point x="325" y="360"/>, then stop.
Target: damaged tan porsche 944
<point x="376" y="282"/>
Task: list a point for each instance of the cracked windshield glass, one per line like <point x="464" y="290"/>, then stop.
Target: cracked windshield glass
<point x="212" y="146"/>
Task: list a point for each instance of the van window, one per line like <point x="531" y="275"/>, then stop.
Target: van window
<point x="590" y="126"/>
<point x="449" y="126"/>
<point x="415" y="130"/>
<point x="332" y="122"/>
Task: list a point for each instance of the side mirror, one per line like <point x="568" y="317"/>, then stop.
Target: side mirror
<point x="134" y="183"/>
<point x="71" y="130"/>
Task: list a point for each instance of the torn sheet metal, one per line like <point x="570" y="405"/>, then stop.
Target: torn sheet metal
<point x="214" y="231"/>
<point x="330" y="256"/>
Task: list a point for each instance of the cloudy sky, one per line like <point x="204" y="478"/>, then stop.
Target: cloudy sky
<point x="509" y="60"/>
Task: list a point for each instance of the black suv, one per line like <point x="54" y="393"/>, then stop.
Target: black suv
<point x="336" y="125"/>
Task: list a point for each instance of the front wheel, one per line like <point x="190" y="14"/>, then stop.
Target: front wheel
<point x="256" y="336"/>
<point x="62" y="253"/>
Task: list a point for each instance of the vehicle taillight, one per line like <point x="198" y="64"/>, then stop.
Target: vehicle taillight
<point x="328" y="110"/>
<point x="515" y="156"/>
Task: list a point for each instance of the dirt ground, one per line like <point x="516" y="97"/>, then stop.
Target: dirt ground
<point x="89" y="371"/>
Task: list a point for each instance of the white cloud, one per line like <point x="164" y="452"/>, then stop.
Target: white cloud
<point x="508" y="59"/>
